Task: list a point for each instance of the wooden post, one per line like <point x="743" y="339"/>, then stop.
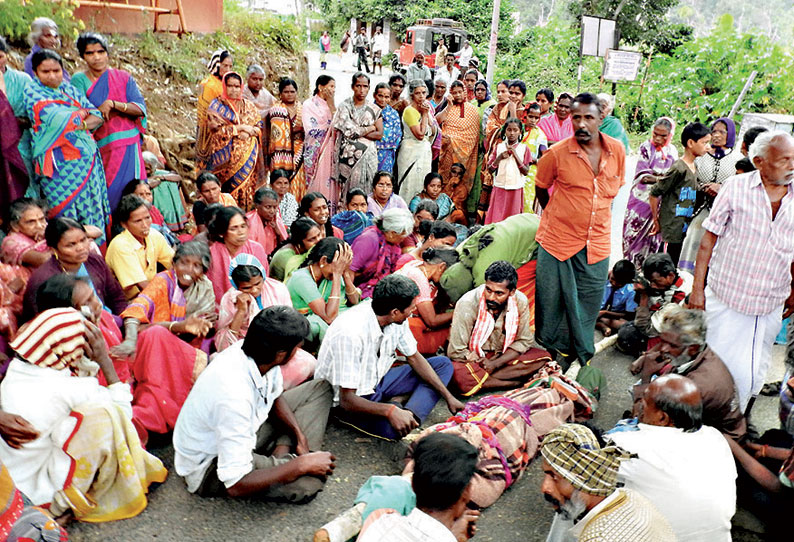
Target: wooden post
<point x="642" y="86"/>
<point x="742" y="94"/>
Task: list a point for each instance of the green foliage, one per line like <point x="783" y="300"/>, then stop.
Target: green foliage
<point x="474" y="14"/>
<point x="540" y="12"/>
<point x="639" y="21"/>
<point x="676" y="35"/>
<point x="547" y="56"/>
<point x="260" y="30"/>
<point x="698" y="81"/>
<point x="703" y="78"/>
<point x="18" y="14"/>
<point x="244" y="34"/>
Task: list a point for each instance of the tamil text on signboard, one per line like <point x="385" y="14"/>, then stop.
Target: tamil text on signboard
<point x="621" y="65"/>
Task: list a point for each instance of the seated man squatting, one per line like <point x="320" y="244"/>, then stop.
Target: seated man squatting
<point x="357" y="355"/>
<point x="491" y="343"/>
<point x="239" y="434"/>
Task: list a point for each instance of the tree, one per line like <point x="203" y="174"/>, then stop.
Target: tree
<point x="547" y="56"/>
<point x="640" y="22"/>
<point x="474" y="14"/>
<point x="703" y="78"/>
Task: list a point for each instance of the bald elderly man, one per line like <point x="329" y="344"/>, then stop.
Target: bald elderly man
<point x="581" y="483"/>
<point x="683" y="467"/>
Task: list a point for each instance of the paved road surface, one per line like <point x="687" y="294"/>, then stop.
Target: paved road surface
<point x="520" y="514"/>
<point x="342" y="71"/>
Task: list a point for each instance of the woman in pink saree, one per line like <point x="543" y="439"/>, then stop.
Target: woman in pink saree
<point x="320" y="140"/>
<point x="117" y="97"/>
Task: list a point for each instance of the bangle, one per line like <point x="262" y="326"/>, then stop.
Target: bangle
<point x="764" y="449"/>
<point x="125" y="106"/>
<point x="333" y="297"/>
<point x="113" y="104"/>
<point x="391" y="409"/>
<point x="170" y="326"/>
<point x="84" y="126"/>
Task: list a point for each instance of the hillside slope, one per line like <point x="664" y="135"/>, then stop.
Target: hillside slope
<point x="168" y="69"/>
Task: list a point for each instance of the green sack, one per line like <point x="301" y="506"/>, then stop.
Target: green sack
<point x="593" y="380"/>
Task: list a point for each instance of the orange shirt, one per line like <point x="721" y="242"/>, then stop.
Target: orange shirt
<point x="579" y="210"/>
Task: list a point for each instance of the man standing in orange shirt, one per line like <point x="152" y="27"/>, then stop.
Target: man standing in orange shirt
<point x="586" y="171"/>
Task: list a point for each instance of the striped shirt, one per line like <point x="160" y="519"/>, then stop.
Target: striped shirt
<point x="750" y="268"/>
<point x="356" y="352"/>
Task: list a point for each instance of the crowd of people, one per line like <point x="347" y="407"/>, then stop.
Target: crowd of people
<point x="421" y="240"/>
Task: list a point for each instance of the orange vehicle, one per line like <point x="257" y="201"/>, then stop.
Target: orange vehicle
<point x="424" y="36"/>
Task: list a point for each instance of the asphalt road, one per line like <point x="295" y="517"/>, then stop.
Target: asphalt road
<point x="342" y="70"/>
<point x="520" y="514"/>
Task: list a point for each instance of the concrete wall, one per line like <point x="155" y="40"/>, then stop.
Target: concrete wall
<point x="201" y="16"/>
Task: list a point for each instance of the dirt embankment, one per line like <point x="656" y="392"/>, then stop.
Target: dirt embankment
<point x="168" y="69"/>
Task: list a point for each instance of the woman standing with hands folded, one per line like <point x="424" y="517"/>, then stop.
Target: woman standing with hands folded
<point x="360" y="125"/>
<point x="415" y="157"/>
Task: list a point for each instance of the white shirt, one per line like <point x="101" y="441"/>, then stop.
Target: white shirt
<point x="689" y="477"/>
<point x="465" y="55"/>
<point x="443" y="74"/>
<point x="356" y="352"/>
<point x="415" y="527"/>
<point x="45" y="397"/>
<point x="379" y="43"/>
<point x="220" y="418"/>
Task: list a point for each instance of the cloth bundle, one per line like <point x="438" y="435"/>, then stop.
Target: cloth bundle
<point x="507" y="429"/>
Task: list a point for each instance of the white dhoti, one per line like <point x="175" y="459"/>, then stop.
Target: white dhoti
<point x="743" y="342"/>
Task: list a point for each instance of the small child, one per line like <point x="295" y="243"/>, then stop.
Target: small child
<point x="618" y="305"/>
<point x="678" y="190"/>
<point x="510" y="160"/>
<point x="287" y="204"/>
<point x="536" y="140"/>
<point x="458" y="191"/>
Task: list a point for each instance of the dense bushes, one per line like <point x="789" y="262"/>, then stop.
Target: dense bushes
<point x="18" y="14"/>
<point x="702" y="79"/>
<point x="698" y="81"/>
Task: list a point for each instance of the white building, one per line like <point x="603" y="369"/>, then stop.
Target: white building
<point x="279" y="7"/>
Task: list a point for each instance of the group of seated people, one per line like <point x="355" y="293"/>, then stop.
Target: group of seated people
<point x="150" y="317"/>
<point x="125" y="350"/>
<point x="244" y="337"/>
<point x="133" y="334"/>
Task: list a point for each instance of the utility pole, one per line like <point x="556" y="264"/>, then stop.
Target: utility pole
<point x="492" y="45"/>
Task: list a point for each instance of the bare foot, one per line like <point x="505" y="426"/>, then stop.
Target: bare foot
<point x="65" y="519"/>
<point x="281" y="450"/>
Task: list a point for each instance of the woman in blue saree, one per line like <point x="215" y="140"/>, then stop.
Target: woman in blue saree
<point x="115" y="94"/>
<point x="392" y="129"/>
<point x="64" y="152"/>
